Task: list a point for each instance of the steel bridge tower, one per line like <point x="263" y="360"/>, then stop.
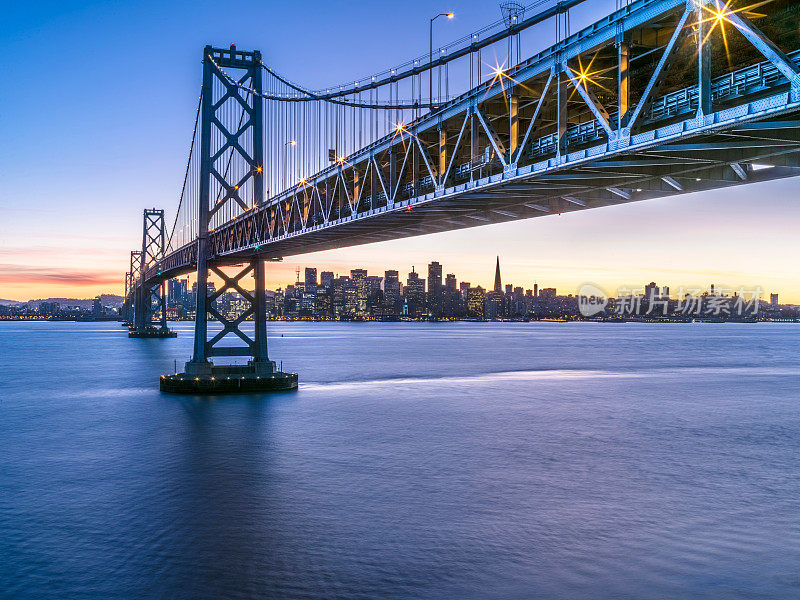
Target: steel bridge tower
<point x="242" y="145"/>
<point x="150" y="310"/>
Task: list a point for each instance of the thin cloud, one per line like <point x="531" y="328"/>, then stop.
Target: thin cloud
<point x="26" y="274"/>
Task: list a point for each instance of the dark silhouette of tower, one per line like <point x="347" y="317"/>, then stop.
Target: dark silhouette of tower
<point x="498" y="284"/>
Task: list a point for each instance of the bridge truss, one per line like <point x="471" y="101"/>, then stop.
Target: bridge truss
<point x="660" y="97"/>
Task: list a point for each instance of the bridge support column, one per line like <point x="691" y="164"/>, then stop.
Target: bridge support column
<point x="392" y="175"/>
<point x="623" y="90"/>
<point x="261" y="362"/>
<point x="150" y="319"/>
<point x="442" y="167"/>
<point x="561" y="111"/>
<point x="220" y="189"/>
<point x="474" y="146"/>
<point x="703" y="62"/>
<point x="513" y="125"/>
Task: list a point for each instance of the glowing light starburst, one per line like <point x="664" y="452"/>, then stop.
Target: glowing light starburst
<point x="499" y="76"/>
<point x="586" y="76"/>
<point x="403" y="131"/>
<point x="400" y="129"/>
<point x="718" y="14"/>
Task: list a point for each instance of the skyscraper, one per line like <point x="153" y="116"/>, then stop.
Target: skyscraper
<point x="415" y="294"/>
<point x="338" y="301"/>
<point x="391" y="292"/>
<point x="435" y="288"/>
<point x="495" y="300"/>
<point x="308" y="297"/>
<point x="450" y="296"/>
<point x="374" y="294"/>
<point x="359" y="278"/>
<point x="177" y="292"/>
<point x="311" y="279"/>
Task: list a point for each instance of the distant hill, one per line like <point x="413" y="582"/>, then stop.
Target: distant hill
<point x="111" y="300"/>
<point x="10" y="302"/>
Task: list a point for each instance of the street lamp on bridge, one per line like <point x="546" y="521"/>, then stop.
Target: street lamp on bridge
<point x="430" y="55"/>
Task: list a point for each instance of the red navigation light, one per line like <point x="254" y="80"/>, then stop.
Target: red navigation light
<point x="409" y="209"/>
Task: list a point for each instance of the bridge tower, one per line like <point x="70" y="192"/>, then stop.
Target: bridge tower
<point x="225" y="142"/>
<point x="131" y="282"/>
<point x="127" y="306"/>
<point x="150" y="310"/>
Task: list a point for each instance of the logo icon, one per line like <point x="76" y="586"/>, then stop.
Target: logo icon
<point x="591" y="300"/>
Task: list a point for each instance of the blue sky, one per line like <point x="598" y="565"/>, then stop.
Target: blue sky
<point x="97" y="102"/>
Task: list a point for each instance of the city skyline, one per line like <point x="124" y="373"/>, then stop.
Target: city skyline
<point x="488" y="281"/>
<point x="73" y="233"/>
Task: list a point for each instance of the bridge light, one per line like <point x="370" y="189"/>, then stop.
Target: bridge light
<point x="258" y="169"/>
<point x="293" y="142"/>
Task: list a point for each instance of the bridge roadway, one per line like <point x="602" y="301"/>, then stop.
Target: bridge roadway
<point x="751" y="135"/>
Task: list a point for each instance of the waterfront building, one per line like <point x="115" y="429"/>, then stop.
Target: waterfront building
<point x="450" y="297"/>
<point x="475" y="302"/>
<point x="49" y="308"/>
<point x="494" y="305"/>
<point x="547" y="294"/>
<point x="374" y="294"/>
<point x="338" y="301"/>
<point x="308" y="304"/>
<point x="415" y="294"/>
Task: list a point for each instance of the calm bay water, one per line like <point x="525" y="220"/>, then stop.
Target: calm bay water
<point x="460" y="460"/>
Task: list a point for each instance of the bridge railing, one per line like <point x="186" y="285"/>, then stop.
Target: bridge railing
<point x="743" y="82"/>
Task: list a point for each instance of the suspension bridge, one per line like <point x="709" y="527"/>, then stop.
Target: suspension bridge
<point x="658" y="98"/>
